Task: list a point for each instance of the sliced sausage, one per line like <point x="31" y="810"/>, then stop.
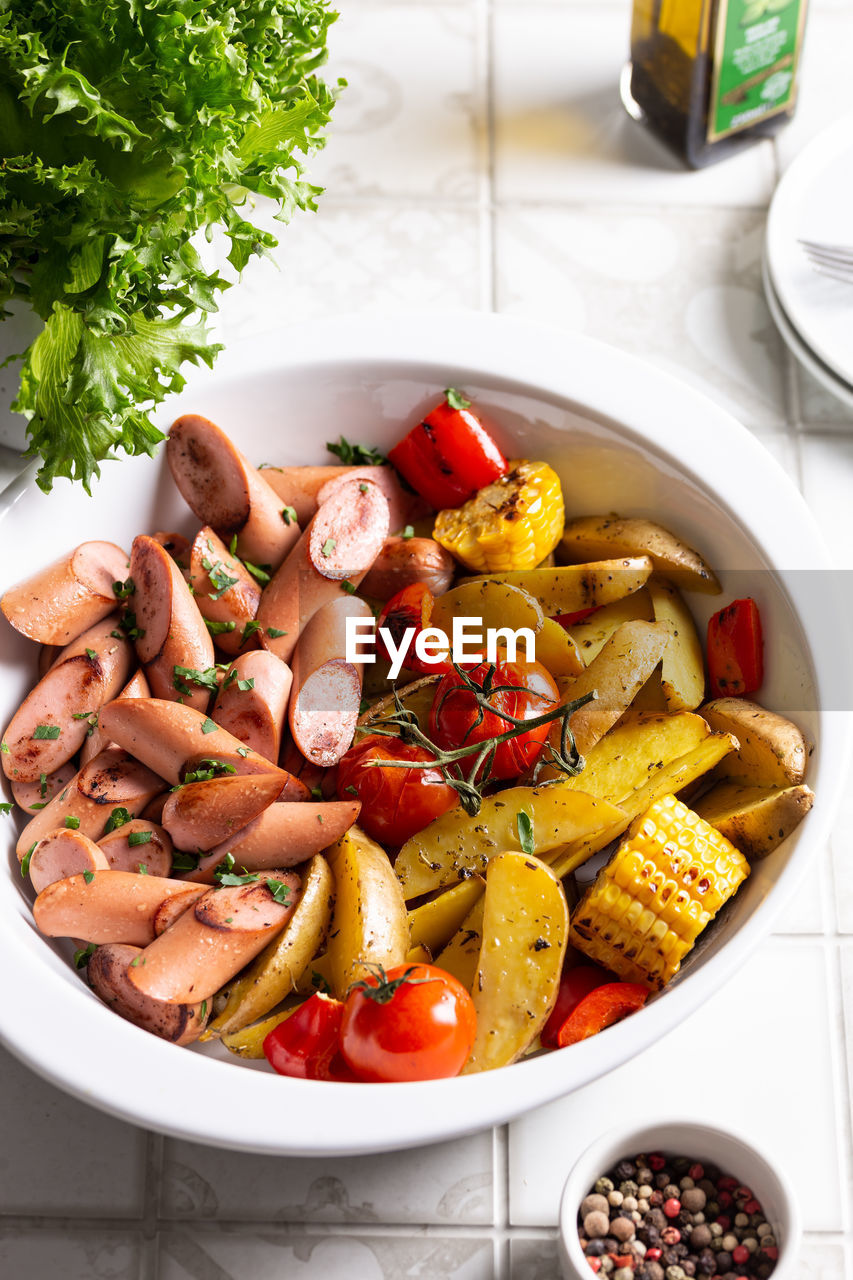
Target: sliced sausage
<point x="298" y="487"/>
<point x="203" y="814"/>
<point x="105" y="906"/>
<point x="326" y="688"/>
<point x="404" y="507"/>
<point x="229" y="599"/>
<point x="138" y="844"/>
<point x="113" y="780"/>
<point x="293" y="788"/>
<point x="69" y="596"/>
<point x="227" y="492"/>
<point x="153" y="811"/>
<point x="176" y="544"/>
<point x="172" y="632"/>
<point x="256" y="714"/>
<point x="62" y="854"/>
<point x="165" y="735"/>
<point x="35" y="796"/>
<point x="171" y="908"/>
<point x="51" y="724"/>
<point x="340" y="544"/>
<point x="221" y="934"/>
<point x="107" y="971"/>
<point x="283" y="836"/>
<point x="404" y="561"/>
<point x="96" y="740"/>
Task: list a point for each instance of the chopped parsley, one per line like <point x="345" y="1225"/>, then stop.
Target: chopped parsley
<point x="129" y="628"/>
<point x="25" y="861"/>
<point x="42" y="785"/>
<point x="4" y="747"/>
<point x="209" y="726"/>
<point x="90" y="653"/>
<point x="356" y="454"/>
<point x="249" y="630"/>
<point x="202" y="1013"/>
<point x="328" y="547"/>
<point x="122" y="590"/>
<point x="226" y="878"/>
<point x="207" y="769"/>
<point x="525" y="832"/>
<point x="232" y="545"/>
<point x="88" y="876"/>
<point x="218" y="577"/>
<point x="184" y="861"/>
<point x="182" y="677"/>
<point x="46" y="732"/>
<point x="260" y="572"/>
<point x="242" y="751"/>
<point x="117" y="818"/>
<point x="274" y="633"/>
<point x="348" y="587"/>
<point x="84" y="955"/>
<point x="280" y="891"/>
<point x="363" y="488"/>
<point x="409" y="531"/>
<point x="72" y="822"/>
<point x="456" y="400"/>
<point x="6" y="806"/>
<point x="139" y="837"/>
<point x="219" y="628"/>
<point x="288" y="515"/>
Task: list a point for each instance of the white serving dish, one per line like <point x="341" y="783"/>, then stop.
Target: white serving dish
<point x="732" y="1153"/>
<point x="624" y="437"/>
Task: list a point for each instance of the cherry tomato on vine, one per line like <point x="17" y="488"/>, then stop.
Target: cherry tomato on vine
<point x="307" y="1044"/>
<point x="395" y="803"/>
<point x="415" y="1022"/>
<point x="410" y="607"/>
<point x="453" y="717"/>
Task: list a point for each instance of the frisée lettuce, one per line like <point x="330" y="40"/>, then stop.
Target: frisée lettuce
<point x="126" y="127"/>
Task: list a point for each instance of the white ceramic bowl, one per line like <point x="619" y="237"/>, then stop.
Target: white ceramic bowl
<point x="733" y="1155"/>
<point x="624" y="437"/>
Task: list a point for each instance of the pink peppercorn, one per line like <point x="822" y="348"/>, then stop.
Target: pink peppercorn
<point x="672" y="1207"/>
<point x="670" y="1235"/>
<point x="652" y="1255"/>
<point x="696" y="1172"/>
<point x="656" y="1163"/>
<point x="740" y="1254"/>
<point x="724" y="1221"/>
<point x="724" y="1200"/>
<point x="595" y="1263"/>
<point x="727" y="1183"/>
<point x="770" y="1251"/>
<point x="752" y="1206"/>
<point x="743" y="1193"/>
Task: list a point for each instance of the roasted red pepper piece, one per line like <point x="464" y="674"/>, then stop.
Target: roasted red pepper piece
<point x="576" y="982"/>
<point x="307" y="1044"/>
<point x="448" y="456"/>
<point x="735" y="650"/>
<point x="601" y="1008"/>
<point x="569" y="619"/>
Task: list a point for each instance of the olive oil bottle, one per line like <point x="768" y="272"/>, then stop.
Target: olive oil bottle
<point x="709" y="77"/>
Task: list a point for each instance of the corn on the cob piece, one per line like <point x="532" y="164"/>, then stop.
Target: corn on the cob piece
<point x="513" y="523"/>
<point x="667" y="880"/>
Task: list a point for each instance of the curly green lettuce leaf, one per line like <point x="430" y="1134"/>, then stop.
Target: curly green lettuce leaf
<point x="128" y="130"/>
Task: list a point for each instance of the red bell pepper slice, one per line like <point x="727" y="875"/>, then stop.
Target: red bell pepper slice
<point x="735" y="650"/>
<point x="576" y="982"/>
<point x="307" y="1044"/>
<point x="601" y="1008"/>
<point x="448" y="456"/>
<point x="569" y="619"/>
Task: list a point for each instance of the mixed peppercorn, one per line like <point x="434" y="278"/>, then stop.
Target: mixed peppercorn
<point x="658" y="1217"/>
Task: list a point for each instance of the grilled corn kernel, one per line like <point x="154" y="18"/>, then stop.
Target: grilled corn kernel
<point x="513" y="523"/>
<point x="667" y="880"/>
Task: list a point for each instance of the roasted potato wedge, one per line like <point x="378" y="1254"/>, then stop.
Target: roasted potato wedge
<point x="273" y="975"/>
<point x="672" y="777"/>
<point x="631" y="754"/>
<point x="755" y="819"/>
<point x="557" y="651"/>
<point x="416" y="697"/>
<point x="591" y="634"/>
<point x="772" y="750"/>
<point x="648" y="699"/>
<point x="462" y="953"/>
<point x="456" y="846"/>
<point x="525" y="933"/>
<point x="434" y="923"/>
<point x="369" y="922"/>
<point x="617" y="673"/>
<point x="498" y="603"/>
<point x="248" y="1042"/>
<point x="572" y="587"/>
<point x="683" y="666"/>
<point x="595" y="537"/>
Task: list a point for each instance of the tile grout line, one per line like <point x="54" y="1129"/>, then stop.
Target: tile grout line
<point x="149" y="1263"/>
<point x="500" y="1213"/>
<point x="842" y="1078"/>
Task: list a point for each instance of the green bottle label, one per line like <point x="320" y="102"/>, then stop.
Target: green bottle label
<point x="756" y="51"/>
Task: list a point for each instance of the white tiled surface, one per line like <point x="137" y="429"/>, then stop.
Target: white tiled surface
<point x="480" y="159"/>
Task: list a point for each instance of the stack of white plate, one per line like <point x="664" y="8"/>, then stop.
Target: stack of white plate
<point x="814" y="313"/>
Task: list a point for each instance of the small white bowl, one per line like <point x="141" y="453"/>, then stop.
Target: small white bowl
<point x="730" y="1152"/>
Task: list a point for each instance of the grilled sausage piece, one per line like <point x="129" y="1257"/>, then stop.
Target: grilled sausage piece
<point x="283" y="836"/>
<point x="226" y="593"/>
<point x="108" y="976"/>
<point x="203" y="814"/>
<point x="62" y="854"/>
<point x="68" y="597"/>
<point x="172" y="632"/>
<point x="107" y="906"/>
<point x="326" y="687"/>
<point x="255" y="714"/>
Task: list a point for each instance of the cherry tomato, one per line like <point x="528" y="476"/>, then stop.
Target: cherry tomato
<point x="395" y="803"/>
<point x="411" y="607"/>
<point x="453" y="717"/>
<point x="307" y="1044"/>
<point x="415" y="1022"/>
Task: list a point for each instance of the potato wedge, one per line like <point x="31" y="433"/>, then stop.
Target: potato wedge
<point x="772" y="751"/>
<point x="755" y="819"/>
<point x="273" y="975"/>
<point x="595" y="537"/>
<point x="434" y="923"/>
<point x="248" y="1042"/>
<point x="632" y="753"/>
<point x="525" y="933"/>
<point x="462" y="953"/>
<point x="618" y="672"/>
<point x="592" y="633"/>
<point x="557" y="651"/>
<point x="369" y="922"/>
<point x="497" y="603"/>
<point x="672" y="777"/>
<point x="456" y="846"/>
<point x="648" y="699"/>
<point x="572" y="587"/>
<point x="416" y="697"/>
<point x="683" y="665"/>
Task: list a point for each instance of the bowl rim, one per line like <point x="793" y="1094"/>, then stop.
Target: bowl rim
<point x="608" y="385"/>
<point x="639" y="1136"/>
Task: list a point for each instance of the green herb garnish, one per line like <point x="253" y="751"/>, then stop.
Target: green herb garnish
<point x="274" y="633"/>
<point x="138" y="837"/>
<point x="46" y="732"/>
<point x="525" y="832"/>
<point x="117" y="818"/>
<point x="456" y="400"/>
<point x="72" y="822"/>
<point x="84" y="955"/>
<point x="288" y="515"/>
<point x="356" y="454"/>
